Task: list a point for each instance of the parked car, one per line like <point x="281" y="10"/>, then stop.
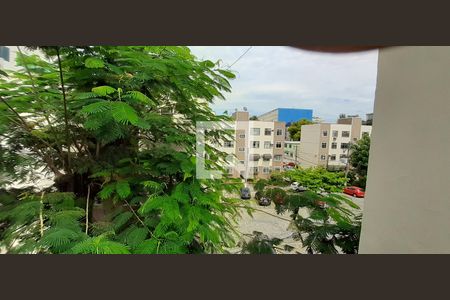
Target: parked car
<point x="295" y="186"/>
<point x="245" y="193"/>
<point x="264" y="201"/>
<point x="354" y="191"/>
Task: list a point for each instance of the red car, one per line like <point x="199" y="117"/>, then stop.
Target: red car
<point x="354" y="191"/>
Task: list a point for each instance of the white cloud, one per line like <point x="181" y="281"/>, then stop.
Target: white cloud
<point x="271" y="77"/>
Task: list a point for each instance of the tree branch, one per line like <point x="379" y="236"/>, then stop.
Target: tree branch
<point x="66" y="119"/>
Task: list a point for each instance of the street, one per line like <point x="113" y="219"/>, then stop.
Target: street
<point x="266" y="220"/>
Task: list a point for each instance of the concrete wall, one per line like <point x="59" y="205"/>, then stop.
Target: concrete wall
<point x="407" y="205"/>
<point x="309" y="146"/>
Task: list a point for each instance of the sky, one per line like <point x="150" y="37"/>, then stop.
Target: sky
<point x="269" y="77"/>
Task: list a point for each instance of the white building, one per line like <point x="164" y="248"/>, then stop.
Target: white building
<point x="258" y="147"/>
<point x="8" y="56"/>
<point x="327" y="144"/>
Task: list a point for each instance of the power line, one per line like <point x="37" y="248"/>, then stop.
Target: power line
<point x="242" y="55"/>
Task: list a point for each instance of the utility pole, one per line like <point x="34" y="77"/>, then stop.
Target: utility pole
<point x="295" y="147"/>
<point x="347" y="167"/>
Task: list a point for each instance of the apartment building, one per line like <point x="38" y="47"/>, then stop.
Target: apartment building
<point x="328" y="144"/>
<point x="258" y="147"/>
<point x="291" y="152"/>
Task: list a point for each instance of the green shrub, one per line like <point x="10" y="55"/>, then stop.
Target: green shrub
<point x="277" y="195"/>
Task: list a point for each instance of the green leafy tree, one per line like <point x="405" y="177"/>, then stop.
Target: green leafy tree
<point x="114" y="126"/>
<point x="359" y="161"/>
<point x="253" y="118"/>
<point x="324" y="221"/>
<point x="295" y="130"/>
<point x="317" y="179"/>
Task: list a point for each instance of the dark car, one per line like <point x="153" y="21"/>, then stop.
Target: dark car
<point x="264" y="201"/>
<point x="245" y="193"/>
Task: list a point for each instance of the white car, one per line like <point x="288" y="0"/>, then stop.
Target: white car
<point x="297" y="187"/>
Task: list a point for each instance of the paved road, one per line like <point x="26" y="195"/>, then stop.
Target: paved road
<point x="267" y="221"/>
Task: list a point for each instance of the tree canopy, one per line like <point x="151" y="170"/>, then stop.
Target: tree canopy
<point x="115" y="126"/>
<point x="295" y="130"/>
<point x="359" y="160"/>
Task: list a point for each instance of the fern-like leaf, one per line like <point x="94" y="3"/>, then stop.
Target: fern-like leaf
<point x="138" y="96"/>
<point x="123" y="113"/>
<point x="97" y="107"/>
<point x="103" y="90"/>
<point x="99" y="245"/>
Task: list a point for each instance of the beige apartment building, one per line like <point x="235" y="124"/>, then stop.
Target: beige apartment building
<point x="258" y="147"/>
<point x="327" y="144"/>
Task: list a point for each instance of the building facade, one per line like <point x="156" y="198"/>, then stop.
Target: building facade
<point x="8" y="56"/>
<point x="287" y="115"/>
<point x="328" y="144"/>
<point x="291" y="152"/>
<point x="258" y="147"/>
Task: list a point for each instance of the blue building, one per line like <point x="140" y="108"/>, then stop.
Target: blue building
<point x="287" y="115"/>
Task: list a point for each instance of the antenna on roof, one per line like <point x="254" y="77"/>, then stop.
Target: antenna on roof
<point x="245" y="108"/>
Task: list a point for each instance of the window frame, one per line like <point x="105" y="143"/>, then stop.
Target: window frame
<point x="347" y="132"/>
<point x="279" y="129"/>
<point x="252" y="131"/>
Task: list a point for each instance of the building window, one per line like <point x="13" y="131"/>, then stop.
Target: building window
<point x="324" y="145"/>
<point x="228" y="144"/>
<point x="277" y="157"/>
<point x="335" y="133"/>
<point x="254" y="157"/>
<point x="279" y="131"/>
<point x="254" y="170"/>
<point x="266" y="145"/>
<point x="4" y="53"/>
<point x="333" y="145"/>
<point x="230" y="170"/>
<point x="342" y="156"/>
<point x="345" y="133"/>
<point x="325" y="133"/>
<point x="242" y="136"/>
<point x="344" y="145"/>
<point x="278" y="145"/>
<point x="241" y="149"/>
<point x="255" y="131"/>
<point x="267" y="131"/>
<point x="323" y="157"/>
<point x="267" y="157"/>
<point x="255" y="144"/>
<point x="365" y="133"/>
<point x="291" y="154"/>
<point x="333" y="157"/>
<point x="242" y="162"/>
<point x="277" y="168"/>
<point x="266" y="170"/>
